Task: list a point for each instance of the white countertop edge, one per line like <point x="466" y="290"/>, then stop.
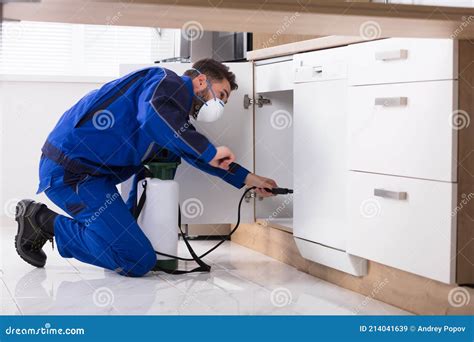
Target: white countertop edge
<point x="302" y="46"/>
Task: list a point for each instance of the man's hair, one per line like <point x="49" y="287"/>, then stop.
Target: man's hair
<point x="214" y="70"/>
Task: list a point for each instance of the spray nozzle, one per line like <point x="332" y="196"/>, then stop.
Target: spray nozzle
<point x="279" y="191"/>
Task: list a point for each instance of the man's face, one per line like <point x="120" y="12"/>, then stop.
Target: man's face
<point x="221" y="89"/>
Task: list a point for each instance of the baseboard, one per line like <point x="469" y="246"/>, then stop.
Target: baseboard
<point x="407" y="291"/>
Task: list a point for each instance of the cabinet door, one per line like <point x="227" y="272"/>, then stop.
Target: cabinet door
<point x="320" y="165"/>
<point x="396" y="60"/>
<point x="206" y="199"/>
<point x="405" y="223"/>
<point x="274" y="75"/>
<point x="274" y="154"/>
<point x="403" y="129"/>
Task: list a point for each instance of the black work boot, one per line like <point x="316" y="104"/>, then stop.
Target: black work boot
<point x="35" y="227"/>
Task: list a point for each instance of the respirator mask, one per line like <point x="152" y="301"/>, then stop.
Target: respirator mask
<point x="210" y="110"/>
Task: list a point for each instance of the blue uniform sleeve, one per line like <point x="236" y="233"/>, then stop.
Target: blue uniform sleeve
<point x="235" y="175"/>
<point x="163" y="113"/>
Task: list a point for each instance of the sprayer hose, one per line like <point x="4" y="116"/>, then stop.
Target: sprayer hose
<point x="225" y="238"/>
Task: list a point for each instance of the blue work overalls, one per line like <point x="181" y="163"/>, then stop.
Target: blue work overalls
<point x="102" y="141"/>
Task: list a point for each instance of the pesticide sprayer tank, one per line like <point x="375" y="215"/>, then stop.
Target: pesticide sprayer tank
<point x="159" y="218"/>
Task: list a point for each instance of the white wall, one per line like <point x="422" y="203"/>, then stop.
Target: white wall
<point x="28" y="111"/>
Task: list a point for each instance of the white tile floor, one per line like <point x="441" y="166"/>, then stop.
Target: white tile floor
<point x="242" y="282"/>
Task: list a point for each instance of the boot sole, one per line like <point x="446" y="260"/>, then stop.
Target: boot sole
<point x="20" y="210"/>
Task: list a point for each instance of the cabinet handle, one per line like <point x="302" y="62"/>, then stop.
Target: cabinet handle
<point x="318" y="69"/>
<point x="314" y="70"/>
<point x="398" y="195"/>
<point x="391" y="101"/>
<point x="391" y="55"/>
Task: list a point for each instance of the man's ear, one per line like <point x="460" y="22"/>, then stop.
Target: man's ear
<point x="199" y="82"/>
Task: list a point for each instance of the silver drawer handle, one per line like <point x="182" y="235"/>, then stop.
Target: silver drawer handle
<point x="391" y="101"/>
<point x="314" y="70"/>
<point x="318" y="69"/>
<point x="391" y="55"/>
<point x="398" y="195"/>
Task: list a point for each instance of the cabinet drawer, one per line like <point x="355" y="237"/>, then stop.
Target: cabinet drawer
<point x="275" y="76"/>
<point x="321" y="65"/>
<point x="403" y="129"/>
<point x="404" y="223"/>
<point x="402" y="60"/>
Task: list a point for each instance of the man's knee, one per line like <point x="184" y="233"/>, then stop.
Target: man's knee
<point x="138" y="263"/>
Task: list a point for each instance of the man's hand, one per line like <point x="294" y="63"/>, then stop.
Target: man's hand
<point x="261" y="183"/>
<point x="223" y="158"/>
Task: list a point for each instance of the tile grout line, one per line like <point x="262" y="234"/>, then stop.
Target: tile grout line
<point x="12" y="298"/>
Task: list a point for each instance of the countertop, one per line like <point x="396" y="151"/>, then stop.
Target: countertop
<point x="302" y="46"/>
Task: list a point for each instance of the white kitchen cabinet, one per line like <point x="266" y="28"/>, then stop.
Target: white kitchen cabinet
<point x="410" y="142"/>
<point x="321" y="225"/>
<point x="275" y="74"/>
<point x="403" y="129"/>
<point x="405" y="223"/>
<point x="402" y="60"/>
